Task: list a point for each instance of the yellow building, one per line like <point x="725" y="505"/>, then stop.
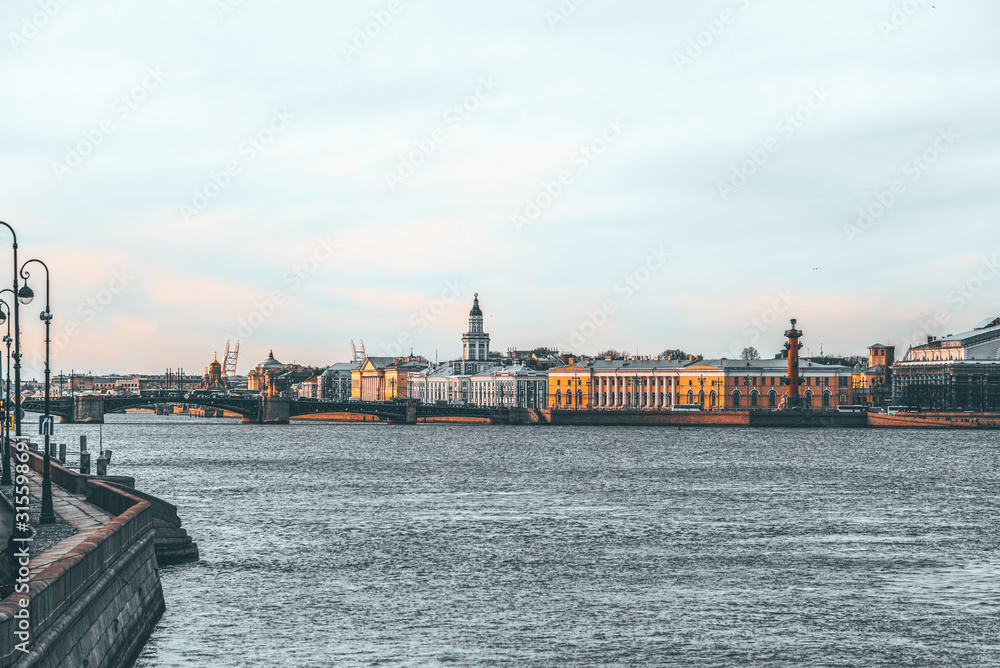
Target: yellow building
<point x="384" y="378"/>
<point x="644" y="383"/>
<point x="571" y="386"/>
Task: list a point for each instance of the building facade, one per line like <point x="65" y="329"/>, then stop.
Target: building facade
<point x="954" y="372"/>
<point x="384" y="378"/>
<point x="872" y="380"/>
<point x="643" y="383"/>
<point x="515" y="386"/>
<point x="451" y="382"/>
<point x="335" y="383"/>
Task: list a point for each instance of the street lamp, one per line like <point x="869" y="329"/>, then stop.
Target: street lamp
<point x="25" y="295"/>
<point x="5" y="478"/>
<point x="17" y="342"/>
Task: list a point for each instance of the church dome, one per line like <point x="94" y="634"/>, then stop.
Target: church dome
<point x="270" y="362"/>
<point x="475" y="307"/>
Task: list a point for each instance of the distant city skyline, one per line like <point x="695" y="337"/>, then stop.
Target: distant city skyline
<point x="667" y="176"/>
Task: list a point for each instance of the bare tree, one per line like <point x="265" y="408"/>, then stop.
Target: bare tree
<point x="750" y="353"/>
<point x="612" y="353"/>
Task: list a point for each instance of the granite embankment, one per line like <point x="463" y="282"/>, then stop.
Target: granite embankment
<point x="936" y="420"/>
<point x="97" y="595"/>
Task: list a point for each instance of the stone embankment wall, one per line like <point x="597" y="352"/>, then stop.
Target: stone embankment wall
<point x="668" y="418"/>
<point x="704" y="418"/>
<point x="96" y="607"/>
<point x="942" y="420"/>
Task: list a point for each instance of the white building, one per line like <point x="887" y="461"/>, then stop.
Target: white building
<point x="981" y="343"/>
<point x="478" y="379"/>
<point x="514" y="386"/>
<point x="335" y="382"/>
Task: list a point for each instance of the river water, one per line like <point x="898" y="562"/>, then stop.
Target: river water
<point x="374" y="544"/>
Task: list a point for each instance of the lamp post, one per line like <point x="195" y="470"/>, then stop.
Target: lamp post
<point x="17" y="342"/>
<point x="5" y="478"/>
<point x="25" y="295"/>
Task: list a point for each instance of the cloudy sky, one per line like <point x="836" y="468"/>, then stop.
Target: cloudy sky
<point x="637" y="175"/>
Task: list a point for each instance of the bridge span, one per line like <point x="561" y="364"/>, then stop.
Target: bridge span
<point x="91" y="408"/>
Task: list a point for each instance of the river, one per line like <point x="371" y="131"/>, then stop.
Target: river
<point x="376" y="544"/>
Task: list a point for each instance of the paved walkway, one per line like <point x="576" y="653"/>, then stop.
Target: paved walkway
<point x="73" y="508"/>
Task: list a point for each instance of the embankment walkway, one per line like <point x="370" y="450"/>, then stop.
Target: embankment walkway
<point x="86" y="518"/>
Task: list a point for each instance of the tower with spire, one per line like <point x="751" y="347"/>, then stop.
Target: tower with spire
<point x="475" y="342"/>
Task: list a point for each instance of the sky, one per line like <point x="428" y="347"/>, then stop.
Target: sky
<point x="639" y="176"/>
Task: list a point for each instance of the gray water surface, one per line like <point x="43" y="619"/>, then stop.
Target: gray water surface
<point x="365" y="544"/>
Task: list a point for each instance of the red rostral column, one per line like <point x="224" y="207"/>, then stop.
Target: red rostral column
<point x="792" y="347"/>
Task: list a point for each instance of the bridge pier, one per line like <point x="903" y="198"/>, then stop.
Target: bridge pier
<point x="88" y="408"/>
<point x="274" y="410"/>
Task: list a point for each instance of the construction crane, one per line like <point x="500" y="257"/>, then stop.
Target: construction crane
<point x="229" y="359"/>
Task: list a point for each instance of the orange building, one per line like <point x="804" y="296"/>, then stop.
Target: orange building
<point x="873" y="382"/>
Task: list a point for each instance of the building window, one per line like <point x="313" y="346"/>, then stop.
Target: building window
<point x="826" y="400"/>
<point x="753" y="399"/>
<point x="736" y="399"/>
<point x="772" y="399"/>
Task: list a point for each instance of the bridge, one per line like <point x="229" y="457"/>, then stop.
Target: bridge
<point x="91" y="408"/>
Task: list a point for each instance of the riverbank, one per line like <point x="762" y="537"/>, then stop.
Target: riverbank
<point x="728" y="418"/>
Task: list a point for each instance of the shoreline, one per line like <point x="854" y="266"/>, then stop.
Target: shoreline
<point x="823" y="419"/>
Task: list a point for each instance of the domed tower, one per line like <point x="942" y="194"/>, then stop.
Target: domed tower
<point x="475" y="342"/>
<point x="213" y="375"/>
